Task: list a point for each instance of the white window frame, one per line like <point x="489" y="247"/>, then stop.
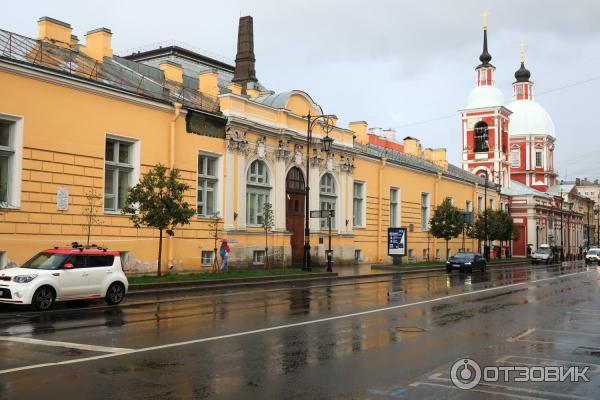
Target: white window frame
<point x="14" y="153"/>
<point x="541" y="153"/>
<point x="395" y="222"/>
<point x="427" y="207"/>
<point x="258" y="257"/>
<point x="361" y="221"/>
<point x="328" y="196"/>
<point x="469" y="206"/>
<point x="216" y="178"/>
<point x="204" y="261"/>
<point x="133" y="166"/>
<point x="257" y="191"/>
<point x="515" y="152"/>
<point x="480" y="203"/>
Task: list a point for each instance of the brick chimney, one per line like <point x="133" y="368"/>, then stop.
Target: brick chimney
<point x="244" y="59"/>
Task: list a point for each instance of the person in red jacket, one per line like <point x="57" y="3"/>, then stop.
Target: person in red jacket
<point x="224" y="253"/>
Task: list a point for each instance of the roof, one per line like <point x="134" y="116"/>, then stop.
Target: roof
<point x="557" y="189"/>
<point x="528" y="117"/>
<point x="485" y="96"/>
<point x="414" y="162"/>
<point x="114" y="73"/>
<point x="519" y="189"/>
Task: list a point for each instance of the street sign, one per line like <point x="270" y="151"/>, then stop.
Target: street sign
<point x="321" y="213"/>
<point x="396" y="241"/>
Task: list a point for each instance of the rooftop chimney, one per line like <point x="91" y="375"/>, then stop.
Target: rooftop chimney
<point x="98" y="44"/>
<point x="54" y="31"/>
<point x="244" y="60"/>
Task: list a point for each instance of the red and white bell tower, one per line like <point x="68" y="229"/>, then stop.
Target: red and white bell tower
<point x="485" y="124"/>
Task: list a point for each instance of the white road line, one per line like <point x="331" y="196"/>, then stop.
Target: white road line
<point x="101" y="349"/>
<point x="521" y="335"/>
<point x="280" y="327"/>
<point x="475" y="389"/>
<point x="438" y="377"/>
<point x="594" y="368"/>
<point x="570" y="332"/>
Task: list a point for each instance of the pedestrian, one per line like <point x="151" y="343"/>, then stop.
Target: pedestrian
<point x="224" y="253"/>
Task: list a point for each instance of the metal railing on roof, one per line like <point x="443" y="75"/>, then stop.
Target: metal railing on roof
<point x="110" y="73"/>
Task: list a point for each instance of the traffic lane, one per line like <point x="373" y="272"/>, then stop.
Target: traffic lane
<point x="346" y="358"/>
<point x="159" y="323"/>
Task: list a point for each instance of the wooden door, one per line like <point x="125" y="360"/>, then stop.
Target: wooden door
<point x="294" y="223"/>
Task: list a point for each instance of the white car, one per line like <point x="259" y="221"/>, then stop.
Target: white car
<point x="592" y="256"/>
<point x="62" y="274"/>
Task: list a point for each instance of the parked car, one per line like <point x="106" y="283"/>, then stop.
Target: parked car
<point x="593" y="256"/>
<point x="465" y="262"/>
<point x="62" y="274"/>
<point x="543" y="254"/>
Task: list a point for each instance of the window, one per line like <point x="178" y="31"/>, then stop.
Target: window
<point x="124" y="259"/>
<point x="469" y="206"/>
<point x="519" y="90"/>
<point x="481" y="137"/>
<point x="425" y="254"/>
<point x="450" y="200"/>
<point x="479" y="204"/>
<point x="448" y="253"/>
<point x="118" y="173"/>
<point x="411" y="254"/>
<point x="327" y="197"/>
<point x="207" y="186"/>
<point x="10" y="161"/>
<point x="491" y="204"/>
<point x="515" y="158"/>
<point x="483" y="75"/>
<point x="357" y="204"/>
<point x="3" y="261"/>
<point x="357" y="255"/>
<point x="258" y="190"/>
<point x="438" y="254"/>
<point x="538" y="158"/>
<point x="100" y="261"/>
<point x="394" y="207"/>
<point x="258" y="257"/>
<point x="424" y="211"/>
<point x="208" y="257"/>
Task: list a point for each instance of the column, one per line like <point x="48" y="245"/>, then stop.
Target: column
<point x="229" y="189"/>
<point x="279" y="193"/>
<point x="241" y="189"/>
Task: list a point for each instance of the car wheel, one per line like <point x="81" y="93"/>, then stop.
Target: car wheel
<point x="115" y="293"/>
<point x="43" y="298"/>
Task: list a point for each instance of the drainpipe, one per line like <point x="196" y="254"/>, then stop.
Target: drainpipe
<point x="379" y="206"/>
<point x="176" y="113"/>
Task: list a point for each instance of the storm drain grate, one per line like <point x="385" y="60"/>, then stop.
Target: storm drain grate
<point x="410" y="329"/>
<point x="590" y="351"/>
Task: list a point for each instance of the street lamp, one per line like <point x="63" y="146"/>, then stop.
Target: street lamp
<point x="327" y="126"/>
<point x="486" y="248"/>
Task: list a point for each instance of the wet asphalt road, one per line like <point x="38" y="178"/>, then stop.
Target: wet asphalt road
<point x="373" y="338"/>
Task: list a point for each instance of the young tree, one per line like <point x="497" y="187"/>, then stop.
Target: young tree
<point x="90" y="212"/>
<point x="213" y="226"/>
<point x="267" y="224"/>
<point x="157" y="202"/>
<point x="446" y="222"/>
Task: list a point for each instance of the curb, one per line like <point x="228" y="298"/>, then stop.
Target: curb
<point x="227" y="282"/>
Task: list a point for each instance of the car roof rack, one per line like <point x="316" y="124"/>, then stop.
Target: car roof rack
<point x="80" y="247"/>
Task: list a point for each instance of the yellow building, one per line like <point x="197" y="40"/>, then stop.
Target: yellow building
<point x="76" y="118"/>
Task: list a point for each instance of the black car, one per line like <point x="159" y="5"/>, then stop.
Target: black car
<point x="465" y="262"/>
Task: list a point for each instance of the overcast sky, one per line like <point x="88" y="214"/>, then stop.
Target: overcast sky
<point x="394" y="64"/>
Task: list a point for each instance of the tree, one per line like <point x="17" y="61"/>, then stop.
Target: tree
<point x="157" y="202"/>
<point x="90" y="212"/>
<point x="267" y="224"/>
<point x="213" y="226"/>
<point x="446" y="222"/>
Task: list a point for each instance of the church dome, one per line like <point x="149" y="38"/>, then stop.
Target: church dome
<point x="485" y="96"/>
<point x="528" y="117"/>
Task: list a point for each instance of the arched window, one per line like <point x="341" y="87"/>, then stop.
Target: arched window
<point x="327" y="197"/>
<point x="258" y="189"/>
<point x="481" y="137"/>
<point x="295" y="180"/>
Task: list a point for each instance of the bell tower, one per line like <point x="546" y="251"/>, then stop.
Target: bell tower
<point x="485" y="123"/>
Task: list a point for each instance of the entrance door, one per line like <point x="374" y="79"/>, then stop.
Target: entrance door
<point x="294" y="217"/>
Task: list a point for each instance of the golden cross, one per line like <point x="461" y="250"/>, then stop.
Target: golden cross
<point x="485" y="15"/>
<point x="522" y="51"/>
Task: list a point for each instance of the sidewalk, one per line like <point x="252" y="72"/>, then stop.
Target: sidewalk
<point x="340" y="273"/>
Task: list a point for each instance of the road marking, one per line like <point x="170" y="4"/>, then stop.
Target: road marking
<point x="521" y="335"/>
<point x="594" y="368"/>
<point x="280" y="327"/>
<point x="475" y="389"/>
<point x="79" y="346"/>
<point x="438" y="377"/>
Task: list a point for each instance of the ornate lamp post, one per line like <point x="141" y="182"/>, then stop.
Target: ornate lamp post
<point x="327" y="126"/>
